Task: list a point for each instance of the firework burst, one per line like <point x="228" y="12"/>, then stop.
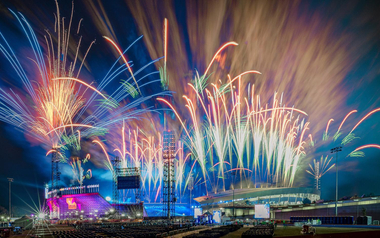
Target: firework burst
<point x="56" y="108"/>
<point x="319" y="168"/>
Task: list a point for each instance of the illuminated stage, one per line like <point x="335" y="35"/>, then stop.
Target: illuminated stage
<point x="87" y="203"/>
<point x="80" y="203"/>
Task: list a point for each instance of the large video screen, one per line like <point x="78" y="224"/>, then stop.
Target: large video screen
<point x="262" y="211"/>
<point x="217" y="217"/>
<point x="197" y="212"/>
<point x="128" y="182"/>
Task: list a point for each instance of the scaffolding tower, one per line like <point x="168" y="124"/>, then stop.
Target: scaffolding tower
<point x="115" y="191"/>
<point x="55" y="178"/>
<point x="168" y="156"/>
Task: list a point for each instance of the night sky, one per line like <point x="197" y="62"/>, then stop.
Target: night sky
<point x="356" y="23"/>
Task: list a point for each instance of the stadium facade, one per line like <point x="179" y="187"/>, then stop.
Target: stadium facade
<point x="286" y="203"/>
<point x="276" y="196"/>
<point x="240" y="202"/>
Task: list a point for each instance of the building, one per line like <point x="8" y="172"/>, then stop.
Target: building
<point x="240" y="202"/>
<point x="286" y="203"/>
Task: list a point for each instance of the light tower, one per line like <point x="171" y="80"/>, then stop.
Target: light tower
<point x="335" y="151"/>
<point x="191" y="188"/>
<point x="168" y="193"/>
<point x="10" y="180"/>
<point x="115" y="190"/>
<point x="317" y="177"/>
<point x="55" y="178"/>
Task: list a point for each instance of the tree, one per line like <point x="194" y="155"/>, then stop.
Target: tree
<point x="364" y="211"/>
<point x="3" y="211"/>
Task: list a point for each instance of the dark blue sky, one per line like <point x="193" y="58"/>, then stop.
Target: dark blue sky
<point x="30" y="168"/>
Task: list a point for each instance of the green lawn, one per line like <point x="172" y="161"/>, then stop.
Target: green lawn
<point x="293" y="231"/>
<point x="236" y="234"/>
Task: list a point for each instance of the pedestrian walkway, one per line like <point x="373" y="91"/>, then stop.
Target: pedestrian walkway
<point x="189" y="233"/>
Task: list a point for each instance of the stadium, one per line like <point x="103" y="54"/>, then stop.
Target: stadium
<point x="240" y="202"/>
<point x="288" y="204"/>
<point x="88" y="204"/>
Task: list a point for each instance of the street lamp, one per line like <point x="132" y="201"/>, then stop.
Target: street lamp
<point x="233" y="193"/>
<point x="190" y="186"/>
<point x="336" y="150"/>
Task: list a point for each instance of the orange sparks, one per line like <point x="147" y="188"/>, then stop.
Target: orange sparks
<point x="82" y="82"/>
<point x="219" y="163"/>
<point x="282" y="108"/>
<point x="238" y="169"/>
<point x="217" y="53"/>
<point x="165" y="40"/>
<point x="53" y="151"/>
<point x="104" y="151"/>
<point x="369" y="114"/>
<point x="50" y="151"/>
<point x="328" y="125"/>
<point x="69" y="125"/>
<point x="345" y="118"/>
<point x="124" y="59"/>
<point x="244" y="73"/>
<point x="367" y="146"/>
<point x="175" y="112"/>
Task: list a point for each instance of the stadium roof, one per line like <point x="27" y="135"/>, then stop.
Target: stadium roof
<point x="248" y="193"/>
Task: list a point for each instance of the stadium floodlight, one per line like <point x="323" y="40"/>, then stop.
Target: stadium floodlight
<point x="335" y="151"/>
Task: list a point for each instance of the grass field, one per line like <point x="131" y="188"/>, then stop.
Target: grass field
<point x="279" y="231"/>
<point x="293" y="231"/>
<point x="296" y="231"/>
